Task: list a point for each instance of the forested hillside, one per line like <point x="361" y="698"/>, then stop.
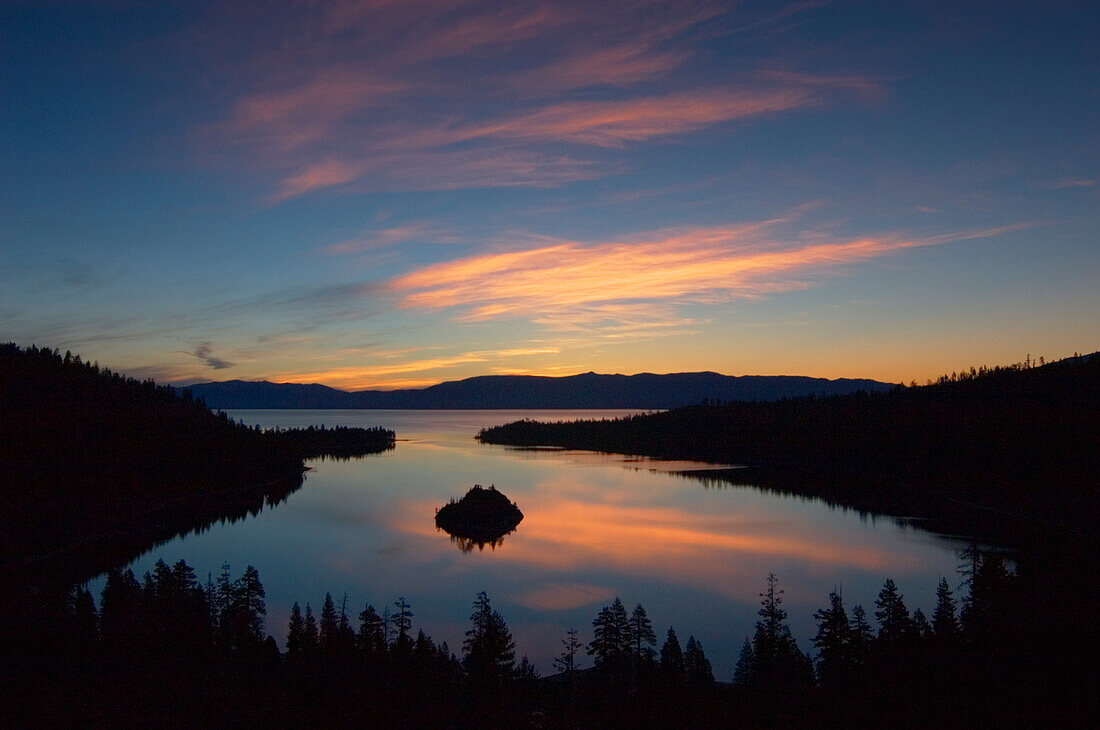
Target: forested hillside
<point x="587" y="390"/>
<point x="1021" y="438"/>
<point x="97" y="466"/>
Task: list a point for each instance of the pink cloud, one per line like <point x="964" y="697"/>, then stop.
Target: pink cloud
<point x="369" y="91"/>
<point x="308" y="112"/>
<point x="612" y="123"/>
<point x="327" y="174"/>
<point x="386" y="237"/>
<point x="621" y="65"/>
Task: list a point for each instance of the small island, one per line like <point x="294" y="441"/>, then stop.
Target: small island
<point x="482" y="516"/>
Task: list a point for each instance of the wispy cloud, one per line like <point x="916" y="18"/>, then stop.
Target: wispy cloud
<point x="373" y="376"/>
<point x="369" y="96"/>
<point x="416" y="231"/>
<point x="612" y="123"/>
<point x="1067" y="182"/>
<point x="587" y="281"/>
<point x="315" y="176"/>
<point x="622" y="65"/>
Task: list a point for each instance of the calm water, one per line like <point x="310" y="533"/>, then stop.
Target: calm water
<point x="595" y="527"/>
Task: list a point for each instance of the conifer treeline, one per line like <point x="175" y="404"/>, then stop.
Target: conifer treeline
<point x="98" y="467"/>
<point x="169" y="649"/>
<point x="1020" y="438"/>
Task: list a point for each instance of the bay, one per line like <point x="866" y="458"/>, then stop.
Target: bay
<point x="595" y="526"/>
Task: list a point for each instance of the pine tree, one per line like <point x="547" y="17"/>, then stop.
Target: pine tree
<point x="743" y="672"/>
<point x="672" y="660"/>
<point x="121" y="610"/>
<point x="892" y="615"/>
<point x="402" y="622"/>
<point x="310" y="635"/>
<point x="611" y="641"/>
<point x="372" y="632"/>
<point x="641" y="632"/>
<point x="85" y="621"/>
<point x="919" y="625"/>
<point x="489" y="653"/>
<point x="566" y="662"/>
<point x="222" y="599"/>
<point x="860" y="635"/>
<point x="988" y="612"/>
<point x="329" y="629"/>
<point x="777" y="659"/>
<point x="945" y="624"/>
<point x="295" y="632"/>
<point x="833" y="640"/>
<point x="347" y="635"/>
<point x="696" y="665"/>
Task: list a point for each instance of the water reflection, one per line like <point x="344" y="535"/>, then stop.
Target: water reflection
<point x="467" y="544"/>
<point x="592" y="530"/>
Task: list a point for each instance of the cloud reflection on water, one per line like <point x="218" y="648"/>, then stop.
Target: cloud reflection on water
<point x="573" y="526"/>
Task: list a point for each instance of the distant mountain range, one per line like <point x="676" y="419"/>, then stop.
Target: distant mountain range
<point x="589" y="390"/>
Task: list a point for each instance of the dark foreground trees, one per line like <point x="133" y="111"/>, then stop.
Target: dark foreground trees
<point x="168" y="650"/>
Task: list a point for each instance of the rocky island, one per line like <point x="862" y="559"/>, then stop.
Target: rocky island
<point x="482" y="516"/>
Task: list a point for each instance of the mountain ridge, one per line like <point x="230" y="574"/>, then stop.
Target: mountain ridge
<point x="581" y="391"/>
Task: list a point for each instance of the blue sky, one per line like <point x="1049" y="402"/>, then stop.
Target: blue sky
<point x="371" y="193"/>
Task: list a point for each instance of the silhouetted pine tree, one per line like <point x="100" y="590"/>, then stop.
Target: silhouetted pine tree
<point x="833" y="641"/>
<point x="611" y="641"/>
<point x="892" y="615"/>
<point x="861" y="635"/>
<point x="310" y="635"/>
<point x="489" y="652"/>
<point x="989" y="613"/>
<point x="372" y="632"/>
<point x="921" y="629"/>
<point x="696" y="665"/>
<point x="402" y="624"/>
<point x="85" y="622"/>
<point x="672" y="660"/>
<point x="121" y="611"/>
<point x="642" y="636"/>
<point x="328" y="629"/>
<point x="777" y="659"/>
<point x="566" y="662"/>
<point x="945" y="623"/>
<point x="295" y="632"/>
<point x="746" y="665"/>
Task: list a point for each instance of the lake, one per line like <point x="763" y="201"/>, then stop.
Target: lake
<point x="595" y="526"/>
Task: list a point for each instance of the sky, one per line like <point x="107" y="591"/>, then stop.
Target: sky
<point x="395" y="193"/>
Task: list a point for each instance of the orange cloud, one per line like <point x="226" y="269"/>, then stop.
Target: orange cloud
<point x="697" y="265"/>
<point x="729" y="262"/>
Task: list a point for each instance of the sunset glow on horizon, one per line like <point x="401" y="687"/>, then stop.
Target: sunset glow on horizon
<point x="377" y="194"/>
